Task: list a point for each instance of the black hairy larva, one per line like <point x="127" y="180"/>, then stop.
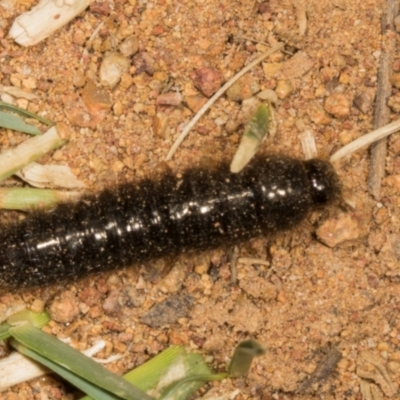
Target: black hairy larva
<point x="198" y="210"/>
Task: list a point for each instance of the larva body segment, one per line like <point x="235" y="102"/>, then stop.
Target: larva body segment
<point x="202" y="209"/>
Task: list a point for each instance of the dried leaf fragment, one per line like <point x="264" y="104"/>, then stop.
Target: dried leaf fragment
<point x="44" y="19"/>
<point x="371" y="368"/>
<point x="42" y="176"/>
<point x="323" y="370"/>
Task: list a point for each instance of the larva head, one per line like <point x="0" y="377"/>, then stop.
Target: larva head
<point x="325" y="185"/>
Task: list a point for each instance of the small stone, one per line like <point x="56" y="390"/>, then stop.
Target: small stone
<point x="129" y="46"/>
<point x="79" y="79"/>
<point x="126" y="81"/>
<point x="172" y="282"/>
<point x="158" y="30"/>
<point x="111" y="304"/>
<point x="90" y="296"/>
<point x="143" y="62"/>
<point x="364" y="101"/>
<point x="395" y="80"/>
<point x="118" y="166"/>
<point x="208" y="80"/>
<point x="394" y="103"/>
<point x="169" y="99"/>
<point x="112" y="68"/>
<point x="320" y="91"/>
<point x="102" y="8"/>
<point x="195" y="102"/>
<point x="396" y="65"/>
<point x="37" y="306"/>
<point x="338" y="105"/>
<point x="140" y="160"/>
<point x="131" y="297"/>
<point x="118" y="108"/>
<point x="97" y="100"/>
<point x="160" y="124"/>
<point x="284" y="89"/>
<point x="22" y="103"/>
<point x="15" y="81"/>
<point x="269" y="95"/>
<point x="341" y="229"/>
<point x="264" y="7"/>
<point x="346" y="137"/>
<point x="168" y="311"/>
<point x="79" y="37"/>
<point x="65" y="308"/>
<point x="270" y="69"/>
<point x="29" y="83"/>
<point x="383" y="346"/>
<point x="128" y="162"/>
<point x="344" y="78"/>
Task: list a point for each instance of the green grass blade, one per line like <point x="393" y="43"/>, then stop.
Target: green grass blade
<point x="196" y="374"/>
<point x="28" y="198"/>
<point x="68" y="358"/>
<point x="4" y="331"/>
<point x="25" y="113"/>
<point x="38" y="320"/>
<point x="147" y="376"/>
<point x="10" y="121"/>
<point x="184" y="388"/>
<point x="87" y="387"/>
<point x="243" y="357"/>
<point x="253" y="136"/>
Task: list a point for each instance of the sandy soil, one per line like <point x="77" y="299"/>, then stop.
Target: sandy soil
<point x="327" y="311"/>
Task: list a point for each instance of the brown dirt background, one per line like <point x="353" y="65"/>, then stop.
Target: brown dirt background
<point x="304" y="299"/>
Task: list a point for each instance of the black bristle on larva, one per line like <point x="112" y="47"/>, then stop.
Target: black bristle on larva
<point x="200" y="210"/>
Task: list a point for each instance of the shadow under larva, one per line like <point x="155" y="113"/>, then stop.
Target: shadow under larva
<point x="199" y="210"/>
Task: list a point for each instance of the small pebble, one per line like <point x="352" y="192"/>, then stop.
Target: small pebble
<point x="37" y="306"/>
<point x="394" y="103"/>
<point x="195" y="102"/>
<point x="79" y="37"/>
<point x="208" y="80"/>
<point x="96" y="99"/>
<point x="65" y="308"/>
<point x="338" y="105"/>
<point x="338" y="230"/>
<point x="284" y="89"/>
<point x="129" y="46"/>
<point x="112" y="68"/>
<point x="111" y="304"/>
<point x="364" y="101"/>
<point x="169" y="99"/>
<point x="168" y="311"/>
<point x="143" y="62"/>
<point x="395" y="80"/>
<point x="269" y="95"/>
<point x="160" y="124"/>
<point x="79" y="79"/>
